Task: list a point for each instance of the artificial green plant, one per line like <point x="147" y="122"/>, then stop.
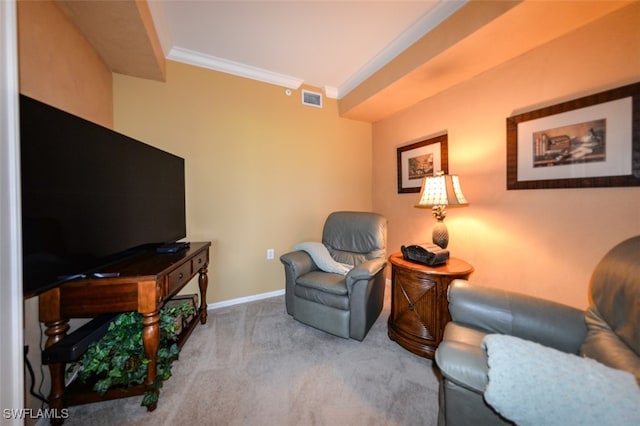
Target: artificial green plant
<point x="118" y="358"/>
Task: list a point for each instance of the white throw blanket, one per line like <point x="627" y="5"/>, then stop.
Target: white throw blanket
<point x="531" y="384"/>
<point x="321" y="256"/>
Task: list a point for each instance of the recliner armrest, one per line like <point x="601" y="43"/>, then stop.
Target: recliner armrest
<point x="298" y="263"/>
<point x="365" y="270"/>
<point x="499" y="311"/>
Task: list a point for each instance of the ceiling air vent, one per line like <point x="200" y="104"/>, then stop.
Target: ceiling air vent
<point x="313" y="99"/>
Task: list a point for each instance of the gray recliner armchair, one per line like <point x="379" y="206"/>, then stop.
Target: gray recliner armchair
<point x="343" y="305"/>
<point x="608" y="332"/>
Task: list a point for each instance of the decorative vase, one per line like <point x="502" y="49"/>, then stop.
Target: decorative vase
<point x="440" y="234"/>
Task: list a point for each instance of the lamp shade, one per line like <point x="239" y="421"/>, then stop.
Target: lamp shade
<point x="441" y="190"/>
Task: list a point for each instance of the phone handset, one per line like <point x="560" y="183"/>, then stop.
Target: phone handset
<point x="428" y="254"/>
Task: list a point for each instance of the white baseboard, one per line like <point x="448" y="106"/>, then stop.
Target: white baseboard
<point x="253" y="298"/>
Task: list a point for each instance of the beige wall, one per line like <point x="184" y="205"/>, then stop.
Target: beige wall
<point x="59" y="66"/>
<point x="541" y="242"/>
<point x="262" y="170"/>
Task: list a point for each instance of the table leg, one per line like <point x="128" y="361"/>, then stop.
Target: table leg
<point x="151" y="343"/>
<point x="56" y="330"/>
<point x="203" y="283"/>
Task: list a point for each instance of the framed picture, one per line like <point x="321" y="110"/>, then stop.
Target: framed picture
<point x="420" y="159"/>
<point x="592" y="141"/>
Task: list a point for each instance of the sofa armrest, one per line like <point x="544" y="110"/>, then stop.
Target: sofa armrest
<point x="463" y="364"/>
<point x="499" y="311"/>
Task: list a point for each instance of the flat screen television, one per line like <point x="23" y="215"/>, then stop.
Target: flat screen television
<point x="90" y="196"/>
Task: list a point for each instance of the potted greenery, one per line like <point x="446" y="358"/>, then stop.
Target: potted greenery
<point x="118" y="358"/>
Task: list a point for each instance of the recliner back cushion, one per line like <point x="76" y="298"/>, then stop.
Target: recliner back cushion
<point x="355" y="237"/>
<point x="615" y="290"/>
<point x="603" y="345"/>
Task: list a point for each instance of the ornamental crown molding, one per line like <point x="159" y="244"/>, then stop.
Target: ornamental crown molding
<point x="235" y="68"/>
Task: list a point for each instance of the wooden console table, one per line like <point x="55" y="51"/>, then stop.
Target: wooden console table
<point x="419" y="307"/>
<point x="143" y="284"/>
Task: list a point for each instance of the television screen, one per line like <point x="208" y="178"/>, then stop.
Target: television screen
<point x="90" y="196"/>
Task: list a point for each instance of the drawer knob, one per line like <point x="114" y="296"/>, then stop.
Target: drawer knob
<point x="180" y="275"/>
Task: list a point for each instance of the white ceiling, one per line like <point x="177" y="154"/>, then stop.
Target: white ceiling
<point x="334" y="45"/>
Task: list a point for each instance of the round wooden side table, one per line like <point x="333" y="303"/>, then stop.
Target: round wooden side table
<point x="419" y="307"/>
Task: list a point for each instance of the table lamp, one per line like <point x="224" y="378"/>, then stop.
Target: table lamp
<point x="438" y="192"/>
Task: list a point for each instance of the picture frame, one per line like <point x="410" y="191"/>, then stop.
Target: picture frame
<point x="420" y="159"/>
<point x="593" y="141"/>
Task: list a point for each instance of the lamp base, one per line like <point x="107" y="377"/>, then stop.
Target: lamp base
<point x="440" y="235"/>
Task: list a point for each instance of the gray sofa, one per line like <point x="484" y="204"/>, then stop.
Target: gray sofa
<point x="343" y="305"/>
<point x="608" y="331"/>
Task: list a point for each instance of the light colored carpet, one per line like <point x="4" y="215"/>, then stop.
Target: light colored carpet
<point x="252" y="364"/>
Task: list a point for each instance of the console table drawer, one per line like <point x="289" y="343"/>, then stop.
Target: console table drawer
<point x="179" y="277"/>
<point x="200" y="261"/>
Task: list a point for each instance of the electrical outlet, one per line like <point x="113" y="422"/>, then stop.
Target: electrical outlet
<point x="270" y="254"/>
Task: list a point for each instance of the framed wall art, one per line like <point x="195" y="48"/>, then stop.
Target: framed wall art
<point x="592" y="141"/>
<point x="420" y="159"/>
